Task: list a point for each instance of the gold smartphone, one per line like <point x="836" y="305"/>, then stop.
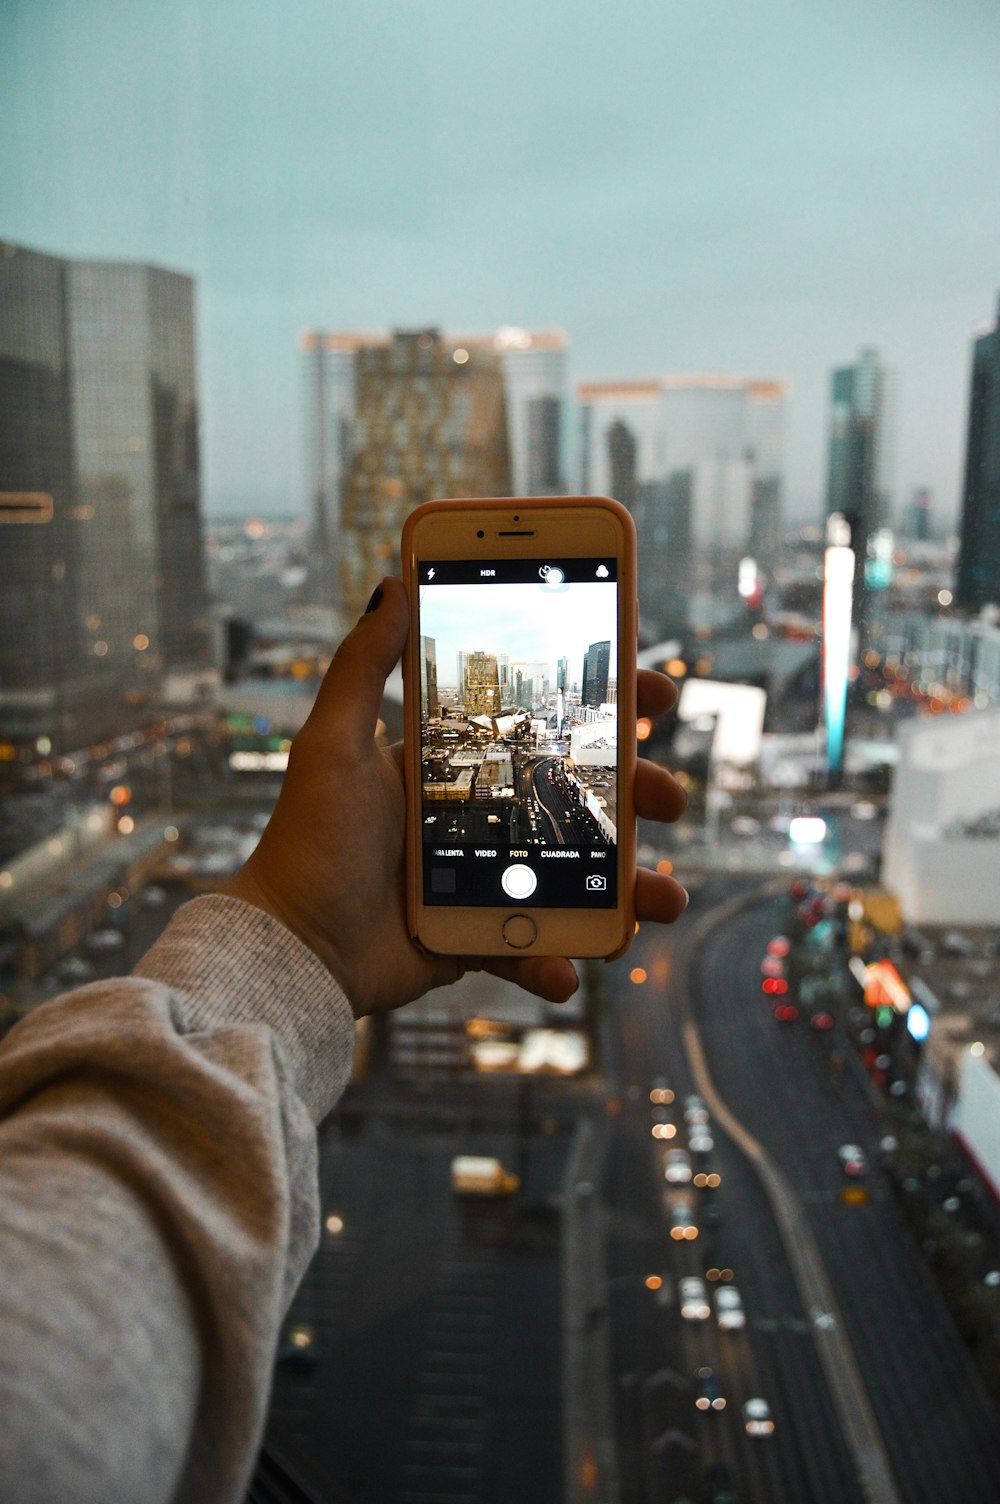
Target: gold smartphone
<point x="520" y="715"/>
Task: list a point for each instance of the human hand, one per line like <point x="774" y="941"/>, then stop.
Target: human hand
<point x="330" y="864"/>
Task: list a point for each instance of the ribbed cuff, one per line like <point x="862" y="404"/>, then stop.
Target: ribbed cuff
<point x="230" y="963"/>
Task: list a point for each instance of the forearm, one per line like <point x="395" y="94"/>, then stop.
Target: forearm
<point x="158" y="1185"/>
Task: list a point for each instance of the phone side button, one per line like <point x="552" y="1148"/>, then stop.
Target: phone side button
<point x="519" y="931"/>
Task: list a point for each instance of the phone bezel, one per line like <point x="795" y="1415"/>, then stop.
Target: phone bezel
<point x="570" y="527"/>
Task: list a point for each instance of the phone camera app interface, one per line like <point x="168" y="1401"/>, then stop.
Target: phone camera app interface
<point x="519" y="737"/>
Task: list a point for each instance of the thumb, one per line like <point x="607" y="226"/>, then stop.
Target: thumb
<point x="351" y="693"/>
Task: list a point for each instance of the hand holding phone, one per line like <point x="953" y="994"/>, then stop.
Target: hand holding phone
<point x="330" y="865"/>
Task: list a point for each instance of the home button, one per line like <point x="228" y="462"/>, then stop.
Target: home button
<point x="519" y="931"/>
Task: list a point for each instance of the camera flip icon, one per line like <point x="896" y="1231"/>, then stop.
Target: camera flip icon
<point x="596" y="883"/>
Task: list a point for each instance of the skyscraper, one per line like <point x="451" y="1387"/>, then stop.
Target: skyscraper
<point x="393" y="419"/>
<point x="430" y="702"/>
<point x="482" y="685"/>
<point x="98" y="414"/>
<point x="978" y="574"/>
<point x="596" y="667"/>
<point x="715" y="440"/>
<point x="860" y="442"/>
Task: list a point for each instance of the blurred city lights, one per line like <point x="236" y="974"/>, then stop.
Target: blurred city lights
<point x="637" y="975"/>
<point x="807" y="830"/>
<point x="837" y="606"/>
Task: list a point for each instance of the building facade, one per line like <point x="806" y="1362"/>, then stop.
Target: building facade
<point x="977" y="581"/>
<point x="859" y="453"/>
<point x="699" y="461"/>
<point x="394" y="419"/>
<point x="104" y="590"/>
<point x="430" y="700"/>
<point x="596" y="671"/>
<point x="482" y="685"/>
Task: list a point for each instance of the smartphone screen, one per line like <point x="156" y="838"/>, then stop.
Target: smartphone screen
<point x="518" y="667"/>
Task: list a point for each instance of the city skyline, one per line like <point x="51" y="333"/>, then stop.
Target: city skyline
<point x="527" y="623"/>
<point x="729" y="227"/>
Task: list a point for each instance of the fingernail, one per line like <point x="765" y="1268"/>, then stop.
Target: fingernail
<point x="375" y="601"/>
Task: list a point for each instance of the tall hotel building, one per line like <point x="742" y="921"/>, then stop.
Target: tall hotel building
<point x="861" y="424"/>
<point x="698" y="460"/>
<point x="103" y="583"/>
<point x="978" y="577"/>
<point x="394" y="419"/>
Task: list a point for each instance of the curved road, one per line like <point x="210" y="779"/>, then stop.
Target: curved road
<point x="940" y="1441"/>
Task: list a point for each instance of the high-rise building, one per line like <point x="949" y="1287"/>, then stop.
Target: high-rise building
<point x="698" y="459"/>
<point x="103" y="587"/>
<point x="430" y="702"/>
<point x="394" y="419"/>
<point x="329" y="370"/>
<point x="860" y="446"/>
<point x="530" y="684"/>
<point x="482" y="685"/>
<point x="665" y="554"/>
<point x="978" y="574"/>
<point x="596" y="669"/>
<point x="918" y="516"/>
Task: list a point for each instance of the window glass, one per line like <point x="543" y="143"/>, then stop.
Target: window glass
<point x="271" y="276"/>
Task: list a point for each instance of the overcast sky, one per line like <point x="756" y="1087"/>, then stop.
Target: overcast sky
<point x="679" y="184"/>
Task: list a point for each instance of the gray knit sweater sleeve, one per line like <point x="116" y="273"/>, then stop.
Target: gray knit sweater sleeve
<point x="158" y="1205"/>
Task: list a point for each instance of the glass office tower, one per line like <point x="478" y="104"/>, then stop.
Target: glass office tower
<point x="978" y="574"/>
<point x="103" y="585"/>
<point x="698" y="459"/>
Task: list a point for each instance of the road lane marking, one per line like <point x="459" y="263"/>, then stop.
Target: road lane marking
<point x="843" y="1375"/>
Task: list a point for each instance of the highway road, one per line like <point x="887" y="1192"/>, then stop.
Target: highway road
<point x="561" y="818"/>
<point x="905" y="1419"/>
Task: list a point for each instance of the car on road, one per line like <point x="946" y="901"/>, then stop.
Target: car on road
<point x="729" y="1312"/>
<point x="853" y="1160"/>
<point x="677" y="1166"/>
<point x="695" y="1110"/>
<point x="708" y="1395"/>
<point x="757" y="1418"/>
<point x="700" y="1141"/>
<point x="693" y="1299"/>
<point x="682" y="1223"/>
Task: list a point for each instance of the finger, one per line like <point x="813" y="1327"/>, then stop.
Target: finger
<point x="551" y="977"/>
<point x="654" y="692"/>
<point x="658" y="795"/>
<point x="351" y="693"/>
<point x="658" y="898"/>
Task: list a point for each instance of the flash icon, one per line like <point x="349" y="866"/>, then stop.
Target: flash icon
<point x="430" y="574"/>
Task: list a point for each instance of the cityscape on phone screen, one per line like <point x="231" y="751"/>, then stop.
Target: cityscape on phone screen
<point x="519" y="743"/>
